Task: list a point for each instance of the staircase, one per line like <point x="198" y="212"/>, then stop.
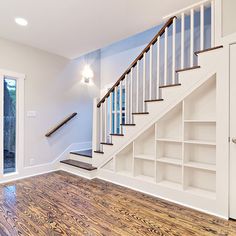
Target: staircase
<point x="150" y="127"/>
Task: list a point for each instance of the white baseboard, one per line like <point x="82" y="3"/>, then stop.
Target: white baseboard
<point x="31" y="171"/>
<point x="124" y="182"/>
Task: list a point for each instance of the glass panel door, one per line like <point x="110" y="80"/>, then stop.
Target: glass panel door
<point x="9" y="125"/>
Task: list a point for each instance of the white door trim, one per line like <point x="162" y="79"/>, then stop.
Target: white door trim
<point x="20" y="78"/>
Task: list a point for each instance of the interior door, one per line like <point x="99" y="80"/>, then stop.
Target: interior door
<point x="233" y="131"/>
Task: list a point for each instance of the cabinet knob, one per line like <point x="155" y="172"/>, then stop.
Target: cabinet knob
<point x="234" y="140"/>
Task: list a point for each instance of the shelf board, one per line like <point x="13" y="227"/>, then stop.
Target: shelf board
<point x="201" y="192"/>
<point x="124" y="172"/>
<point x="202" y="166"/>
<point x="173" y="140"/>
<point x="170" y="184"/>
<point x="200" y="142"/>
<point x="200" y="121"/>
<point x="169" y="160"/>
<point x="145" y="178"/>
<point x="148" y="157"/>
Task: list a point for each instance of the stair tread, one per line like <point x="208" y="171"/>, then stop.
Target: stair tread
<point x="140" y="113"/>
<point x="79" y="164"/>
<point x="84" y="153"/>
<point x="104" y="143"/>
<point x="188" y="68"/>
<point x="154" y="100"/>
<point x="208" y="49"/>
<point x="117" y="134"/>
<point x="169" y="85"/>
<point x="128" y="124"/>
<point x="99" y="152"/>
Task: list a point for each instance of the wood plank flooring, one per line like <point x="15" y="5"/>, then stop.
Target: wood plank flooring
<point x="59" y="203"/>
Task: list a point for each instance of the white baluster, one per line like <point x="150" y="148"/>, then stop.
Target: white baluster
<point x="144" y="81"/>
<point x="105" y="120"/>
<point x="191" y="37"/>
<point x="166" y="56"/>
<point x="173" y="51"/>
<point x="126" y="101"/>
<point x="115" y="112"/>
<point x="202" y="27"/>
<point x="158" y="66"/>
<point x="111" y="95"/>
<point x="212" y="24"/>
<point x="121" y="82"/>
<point x="150" y="72"/>
<point x="131" y="95"/>
<point x="137" y="88"/>
<point x="101" y="124"/>
<point x="182" y="39"/>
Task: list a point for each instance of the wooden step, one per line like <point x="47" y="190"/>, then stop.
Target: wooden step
<point x="85" y="153"/>
<point x="127" y="124"/>
<point x="208" y="49"/>
<point x="169" y="85"/>
<point x="99" y="152"/>
<point x="155" y="100"/>
<point x="110" y="144"/>
<point x="79" y="164"/>
<point x="188" y="68"/>
<point x="140" y="113"/>
<point x="117" y="134"/>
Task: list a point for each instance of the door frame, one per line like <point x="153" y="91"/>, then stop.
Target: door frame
<point x="230" y="135"/>
<point x="20" y="78"/>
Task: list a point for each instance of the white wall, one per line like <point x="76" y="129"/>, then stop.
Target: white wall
<point x="116" y="58"/>
<point x="229" y="17"/>
<point x="54" y="90"/>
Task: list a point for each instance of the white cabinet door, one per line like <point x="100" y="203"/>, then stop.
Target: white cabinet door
<point x="233" y="131"/>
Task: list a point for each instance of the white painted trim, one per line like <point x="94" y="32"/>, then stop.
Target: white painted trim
<point x="20" y="78"/>
<point x="102" y="175"/>
<point x="73" y="147"/>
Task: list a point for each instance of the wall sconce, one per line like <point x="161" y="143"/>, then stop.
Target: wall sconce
<point x="87" y="74"/>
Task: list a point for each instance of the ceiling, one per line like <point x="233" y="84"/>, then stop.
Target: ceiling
<point x="71" y="28"/>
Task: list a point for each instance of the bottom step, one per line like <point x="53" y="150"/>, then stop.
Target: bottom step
<point x="79" y="164"/>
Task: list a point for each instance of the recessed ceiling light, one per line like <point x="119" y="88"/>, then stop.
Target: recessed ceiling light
<point x="21" y="21"/>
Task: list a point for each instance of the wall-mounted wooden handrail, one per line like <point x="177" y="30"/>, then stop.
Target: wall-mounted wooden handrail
<point x="61" y="124"/>
<point x="140" y="56"/>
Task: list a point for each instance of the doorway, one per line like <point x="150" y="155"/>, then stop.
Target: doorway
<point x="11" y="122"/>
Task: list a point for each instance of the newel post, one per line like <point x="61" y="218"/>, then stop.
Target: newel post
<point x="96" y="122"/>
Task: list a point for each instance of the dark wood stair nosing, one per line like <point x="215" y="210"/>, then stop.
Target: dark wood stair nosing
<point x="169" y="85"/>
<point x="109" y="144"/>
<point x="155" y="100"/>
<point x="117" y="134"/>
<point x="127" y="124"/>
<point x="140" y="113"/>
<point x="99" y="152"/>
<point x="81" y="165"/>
<point x="208" y="49"/>
<point x="188" y="68"/>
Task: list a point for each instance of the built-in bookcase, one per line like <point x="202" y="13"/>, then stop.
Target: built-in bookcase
<point x="179" y="150"/>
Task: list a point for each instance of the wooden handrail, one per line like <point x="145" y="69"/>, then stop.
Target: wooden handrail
<point x="140" y="56"/>
<point x="61" y="124"/>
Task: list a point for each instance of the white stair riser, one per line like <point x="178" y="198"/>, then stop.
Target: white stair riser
<point x="80" y="158"/>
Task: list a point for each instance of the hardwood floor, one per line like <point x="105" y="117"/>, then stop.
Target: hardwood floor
<point x="62" y="204"/>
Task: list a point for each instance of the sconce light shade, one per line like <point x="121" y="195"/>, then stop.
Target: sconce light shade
<point x="87" y="74"/>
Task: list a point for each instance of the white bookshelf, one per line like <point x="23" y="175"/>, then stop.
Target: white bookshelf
<point x="124" y="161"/>
<point x="179" y="151"/>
